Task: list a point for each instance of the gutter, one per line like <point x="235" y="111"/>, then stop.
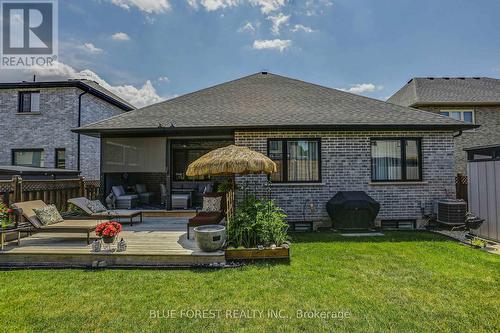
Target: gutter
<point x="78" y="141"/>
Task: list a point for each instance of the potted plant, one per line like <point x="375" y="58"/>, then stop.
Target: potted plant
<point x="108" y="231"/>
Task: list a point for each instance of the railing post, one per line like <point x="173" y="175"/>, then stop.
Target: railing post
<point x="17" y="188"/>
<point x="81" y="191"/>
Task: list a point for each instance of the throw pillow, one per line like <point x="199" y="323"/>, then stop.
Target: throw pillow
<point x="48" y="215"/>
<point x="212" y="204"/>
<point x="96" y="206"/>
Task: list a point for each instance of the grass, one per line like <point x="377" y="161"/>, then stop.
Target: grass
<point x="404" y="281"/>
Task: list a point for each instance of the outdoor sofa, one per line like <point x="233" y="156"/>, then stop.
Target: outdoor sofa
<point x="26" y="209"/>
<point x="122" y="199"/>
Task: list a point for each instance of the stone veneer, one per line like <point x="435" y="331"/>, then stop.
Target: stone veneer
<point x="346" y="166"/>
<point x="488" y="134"/>
<point x="51" y="127"/>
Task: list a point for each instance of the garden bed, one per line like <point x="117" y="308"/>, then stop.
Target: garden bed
<point x="257" y="254"/>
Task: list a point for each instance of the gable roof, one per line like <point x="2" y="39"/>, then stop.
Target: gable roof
<point x="87" y="85"/>
<point x="266" y="100"/>
<point x="448" y="91"/>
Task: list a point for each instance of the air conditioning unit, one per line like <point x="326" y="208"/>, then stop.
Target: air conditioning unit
<point x="451" y="211"/>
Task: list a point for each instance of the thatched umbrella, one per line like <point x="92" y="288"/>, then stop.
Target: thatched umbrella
<point x="229" y="161"/>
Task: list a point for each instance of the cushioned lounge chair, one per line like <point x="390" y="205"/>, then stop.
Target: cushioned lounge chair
<point x="208" y="218"/>
<point x="123" y="200"/>
<point x="144" y="195"/>
<point x="83" y="204"/>
<point x="66" y="226"/>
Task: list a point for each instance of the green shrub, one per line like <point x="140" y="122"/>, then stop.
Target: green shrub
<point x="257" y="222"/>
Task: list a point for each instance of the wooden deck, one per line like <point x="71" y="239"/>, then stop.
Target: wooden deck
<point x="157" y="242"/>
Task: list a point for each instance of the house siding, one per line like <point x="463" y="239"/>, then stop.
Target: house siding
<point x="346" y="166"/>
<point x="488" y="134"/>
<point x="51" y="127"/>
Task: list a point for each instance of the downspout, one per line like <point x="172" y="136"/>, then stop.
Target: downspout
<point x="78" y="144"/>
<point x="457" y="135"/>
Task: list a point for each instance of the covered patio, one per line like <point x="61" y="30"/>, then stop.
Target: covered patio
<point x="160" y="241"/>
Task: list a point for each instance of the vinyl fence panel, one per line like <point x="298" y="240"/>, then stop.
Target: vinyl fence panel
<point x="484" y="196"/>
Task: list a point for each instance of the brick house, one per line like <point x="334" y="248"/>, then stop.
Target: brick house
<point x="474" y="100"/>
<point x="37" y="119"/>
<point x="323" y="141"/>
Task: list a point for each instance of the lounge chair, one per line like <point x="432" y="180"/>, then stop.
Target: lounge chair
<point x="208" y="218"/>
<point x="123" y="200"/>
<point x="83" y="204"/>
<point x="66" y="226"/>
<point x="144" y="196"/>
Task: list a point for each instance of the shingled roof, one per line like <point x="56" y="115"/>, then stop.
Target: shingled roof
<point x="86" y="85"/>
<point x="448" y="91"/>
<point x="265" y="100"/>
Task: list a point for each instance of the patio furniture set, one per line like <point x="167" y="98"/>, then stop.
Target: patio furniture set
<point x="29" y="221"/>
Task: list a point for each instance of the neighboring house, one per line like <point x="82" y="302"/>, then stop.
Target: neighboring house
<point x="474" y="100"/>
<point x="37" y="118"/>
<point x="323" y="140"/>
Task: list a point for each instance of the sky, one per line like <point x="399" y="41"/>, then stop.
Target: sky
<point x="151" y="50"/>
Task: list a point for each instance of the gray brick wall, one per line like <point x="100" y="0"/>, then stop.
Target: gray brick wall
<point x="489" y="132"/>
<point x="51" y="127"/>
<point x="346" y="165"/>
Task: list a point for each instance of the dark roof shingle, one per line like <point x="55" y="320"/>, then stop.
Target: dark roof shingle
<point x="428" y="91"/>
<point x="270" y="101"/>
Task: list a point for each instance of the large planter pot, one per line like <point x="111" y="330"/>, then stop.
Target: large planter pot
<point x="210" y="238"/>
<point x="108" y="240"/>
<point x="257" y="254"/>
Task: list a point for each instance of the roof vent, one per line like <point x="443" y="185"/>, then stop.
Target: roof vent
<point x="476" y="78"/>
<point x="446" y="78"/>
<point x="461" y="78"/>
<point x="263" y="73"/>
<point x="430" y="78"/>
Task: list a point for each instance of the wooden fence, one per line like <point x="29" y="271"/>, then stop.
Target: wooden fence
<point x="461" y="184"/>
<point x="55" y="192"/>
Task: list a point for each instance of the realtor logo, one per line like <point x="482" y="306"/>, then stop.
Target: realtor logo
<point x="29" y="33"/>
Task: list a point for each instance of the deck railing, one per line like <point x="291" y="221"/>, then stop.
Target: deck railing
<point x="55" y="192"/>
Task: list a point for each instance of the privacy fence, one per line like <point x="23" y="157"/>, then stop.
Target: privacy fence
<point x="55" y="192"/>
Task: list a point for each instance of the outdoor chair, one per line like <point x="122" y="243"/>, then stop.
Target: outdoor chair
<point x="123" y="200"/>
<point x="26" y="210"/>
<point x="205" y="217"/>
<point x="84" y="204"/>
<point x="144" y="196"/>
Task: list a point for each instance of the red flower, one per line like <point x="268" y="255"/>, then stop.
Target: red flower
<point x="108" y="229"/>
<point x="10" y="211"/>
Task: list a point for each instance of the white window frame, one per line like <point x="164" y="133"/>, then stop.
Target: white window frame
<point x="462" y="111"/>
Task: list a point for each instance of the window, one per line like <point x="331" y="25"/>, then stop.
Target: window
<point x="28" y="157"/>
<point x="298" y="160"/>
<point x="181" y="161"/>
<point x="60" y="158"/>
<point x="464" y="115"/>
<point x="396" y="159"/>
<point x="29" y="101"/>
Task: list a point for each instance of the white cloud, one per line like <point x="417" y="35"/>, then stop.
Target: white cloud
<point x="148" y="6"/>
<point x="277" y="21"/>
<point x="266" y="6"/>
<point x="317" y="7"/>
<point x="274" y="44"/>
<point x="120" y="36"/>
<point x="360" y="88"/>
<point x="91" y="48"/>
<point x="300" y="27"/>
<point x="138" y="96"/>
<point x="247" y="27"/>
<point x="163" y="79"/>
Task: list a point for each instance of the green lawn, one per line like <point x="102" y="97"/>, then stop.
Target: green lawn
<point x="404" y="281"/>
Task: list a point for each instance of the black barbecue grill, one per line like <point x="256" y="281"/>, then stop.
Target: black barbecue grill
<point x="352" y="210"/>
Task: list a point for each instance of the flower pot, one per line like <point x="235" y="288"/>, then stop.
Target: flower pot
<point x="108" y="240"/>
